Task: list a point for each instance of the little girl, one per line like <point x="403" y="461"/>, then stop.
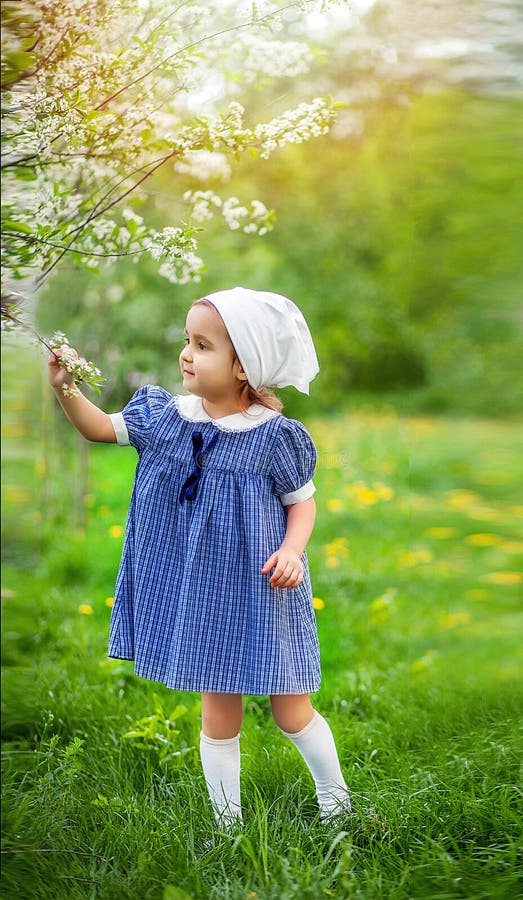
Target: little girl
<point x="213" y="592"/>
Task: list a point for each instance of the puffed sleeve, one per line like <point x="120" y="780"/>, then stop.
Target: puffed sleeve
<point x="135" y="423"/>
<point x="293" y="463"/>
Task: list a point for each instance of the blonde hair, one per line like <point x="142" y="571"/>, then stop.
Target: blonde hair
<point x="248" y="395"/>
<point x="264" y="396"/>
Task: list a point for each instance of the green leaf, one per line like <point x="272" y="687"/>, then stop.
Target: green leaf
<point x="11" y="225"/>
<point x="19" y="60"/>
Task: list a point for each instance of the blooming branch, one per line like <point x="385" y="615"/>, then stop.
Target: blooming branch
<point x="90" y="115"/>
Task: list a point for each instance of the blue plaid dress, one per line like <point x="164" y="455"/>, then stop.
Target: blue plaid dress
<point x="191" y="606"/>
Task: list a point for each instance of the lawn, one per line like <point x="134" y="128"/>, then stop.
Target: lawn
<point x="417" y="571"/>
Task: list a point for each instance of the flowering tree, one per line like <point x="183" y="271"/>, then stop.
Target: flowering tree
<point x="99" y="94"/>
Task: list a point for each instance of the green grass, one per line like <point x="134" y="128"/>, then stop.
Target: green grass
<point x="420" y="634"/>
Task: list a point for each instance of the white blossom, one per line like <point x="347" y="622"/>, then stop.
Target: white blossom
<point x="204" y="165"/>
<point x="108" y="98"/>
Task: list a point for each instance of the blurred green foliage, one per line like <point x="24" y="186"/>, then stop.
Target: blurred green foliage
<point x="401" y="243"/>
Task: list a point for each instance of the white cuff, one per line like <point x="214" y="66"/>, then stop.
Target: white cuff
<point x="298" y="496"/>
<point x="120" y="429"/>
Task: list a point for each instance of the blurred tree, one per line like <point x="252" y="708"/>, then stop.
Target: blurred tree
<point x="399" y="234"/>
<point x="402" y="245"/>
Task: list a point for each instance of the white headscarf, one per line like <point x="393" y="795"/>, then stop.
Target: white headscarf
<point x="270" y="336"/>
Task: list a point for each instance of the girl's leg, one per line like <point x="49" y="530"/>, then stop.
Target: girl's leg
<point x="220" y="754"/>
<point x="311" y="734"/>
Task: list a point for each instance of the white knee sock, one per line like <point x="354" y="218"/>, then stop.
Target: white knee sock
<point x="316" y="744"/>
<point x="221" y="767"/>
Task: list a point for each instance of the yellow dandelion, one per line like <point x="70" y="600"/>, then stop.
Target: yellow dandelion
<point x="15" y="494"/>
<point x="424" y="663"/>
<point x="423" y="426"/>
<point x="18" y="405"/>
<point x="460" y="499"/>
<point x="332" y="562"/>
<point x="86" y="609"/>
<point x="109" y="601"/>
<point x="483" y="513"/>
<point x="414" y="557"/>
<point x="388" y="466"/>
<point x="116" y="531"/>
<point x="507" y="673"/>
<point x="383" y="601"/>
<point x="354" y="487"/>
<point x="41" y="467"/>
<point x="380" y="607"/>
<point x="335" y="505"/>
<point x="383" y="491"/>
<point x="440" y="532"/>
<point x="337" y="547"/>
<point x="511" y="546"/>
<point x="366" y="497"/>
<point x="503" y="577"/>
<point x="477" y="594"/>
<point x="417" y="501"/>
<point x="379" y="604"/>
<point x="492" y="477"/>
<point x="484" y="540"/>
<point x="15" y="430"/>
<point x="318" y="603"/>
<point x="453" y="620"/>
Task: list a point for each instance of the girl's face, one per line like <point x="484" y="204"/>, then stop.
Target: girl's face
<point x="208" y="363"/>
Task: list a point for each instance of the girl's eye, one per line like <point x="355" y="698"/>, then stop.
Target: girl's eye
<point x="202" y="346"/>
<point x="186" y="340"/>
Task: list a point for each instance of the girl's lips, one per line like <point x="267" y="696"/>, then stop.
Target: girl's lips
<point x="186" y="372"/>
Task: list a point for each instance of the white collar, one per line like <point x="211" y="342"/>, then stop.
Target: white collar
<point x="191" y="407"/>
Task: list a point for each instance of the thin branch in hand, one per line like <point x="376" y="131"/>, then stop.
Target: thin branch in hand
<point x="7" y="314"/>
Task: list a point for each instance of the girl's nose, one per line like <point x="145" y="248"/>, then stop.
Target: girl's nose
<point x="185" y="354"/>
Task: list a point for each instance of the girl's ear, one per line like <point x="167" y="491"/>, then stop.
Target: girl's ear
<point x="238" y="370"/>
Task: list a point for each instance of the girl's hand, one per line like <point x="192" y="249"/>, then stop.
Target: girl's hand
<point x="58" y="375"/>
<point x="288" y="568"/>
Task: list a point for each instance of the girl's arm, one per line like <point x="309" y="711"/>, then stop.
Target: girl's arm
<point x="286" y="561"/>
<point x="93" y="423"/>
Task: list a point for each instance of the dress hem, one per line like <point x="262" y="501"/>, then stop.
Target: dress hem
<point x="250" y="690"/>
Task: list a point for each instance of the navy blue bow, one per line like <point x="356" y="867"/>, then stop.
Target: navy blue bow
<point x="190" y="486"/>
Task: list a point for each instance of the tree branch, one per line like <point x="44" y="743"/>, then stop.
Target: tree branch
<point x="30" y="74"/>
<point x="31" y="239"/>
<point x="78" y="230"/>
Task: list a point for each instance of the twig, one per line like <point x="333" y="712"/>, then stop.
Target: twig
<point x="31" y="239"/>
<point x="77" y="231"/>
